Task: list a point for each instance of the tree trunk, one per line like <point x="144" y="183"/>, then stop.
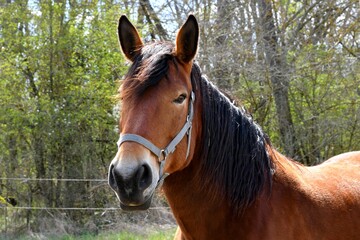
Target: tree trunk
<point x="278" y="75"/>
<point x="222" y="27"/>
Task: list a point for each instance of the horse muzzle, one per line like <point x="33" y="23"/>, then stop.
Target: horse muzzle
<point x="133" y="185"/>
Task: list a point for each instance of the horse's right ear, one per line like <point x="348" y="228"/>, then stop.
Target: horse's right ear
<point x="129" y="38"/>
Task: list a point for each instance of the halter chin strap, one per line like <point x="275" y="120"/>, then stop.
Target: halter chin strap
<point x="170" y="148"/>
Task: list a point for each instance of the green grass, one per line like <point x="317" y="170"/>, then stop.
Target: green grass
<point x="166" y="235"/>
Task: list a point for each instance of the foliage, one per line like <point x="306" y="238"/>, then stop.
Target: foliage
<point x="59" y="67"/>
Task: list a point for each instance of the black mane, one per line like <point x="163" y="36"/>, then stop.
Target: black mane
<point x="234" y="159"/>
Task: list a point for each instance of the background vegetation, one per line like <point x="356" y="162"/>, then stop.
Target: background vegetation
<point x="293" y="64"/>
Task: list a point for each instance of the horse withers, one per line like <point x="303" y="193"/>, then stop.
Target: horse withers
<point x="220" y="174"/>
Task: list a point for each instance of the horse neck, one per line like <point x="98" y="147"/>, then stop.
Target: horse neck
<point x="194" y="208"/>
<point x="192" y="193"/>
<point x="203" y="216"/>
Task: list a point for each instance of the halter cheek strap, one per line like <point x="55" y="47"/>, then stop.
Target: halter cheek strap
<point x="170" y="148"/>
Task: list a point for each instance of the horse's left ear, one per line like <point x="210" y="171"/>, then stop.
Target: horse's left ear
<point x="187" y="40"/>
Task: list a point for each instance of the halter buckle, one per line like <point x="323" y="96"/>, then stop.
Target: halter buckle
<point x="162" y="155"/>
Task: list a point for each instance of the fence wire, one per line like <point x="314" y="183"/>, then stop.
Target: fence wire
<point x="55" y="179"/>
<point x="25" y="179"/>
<point x="73" y="208"/>
<point x="16" y="217"/>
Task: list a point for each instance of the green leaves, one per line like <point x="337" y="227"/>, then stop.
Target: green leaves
<point x="59" y="65"/>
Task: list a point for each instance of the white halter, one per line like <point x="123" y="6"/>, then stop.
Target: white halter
<point x="170" y="148"/>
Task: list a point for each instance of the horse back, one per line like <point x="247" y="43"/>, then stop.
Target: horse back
<point x="343" y="168"/>
<point x="317" y="202"/>
<point x="332" y="197"/>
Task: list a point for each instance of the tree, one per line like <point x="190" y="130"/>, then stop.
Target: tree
<point x="276" y="60"/>
<point x="59" y="65"/>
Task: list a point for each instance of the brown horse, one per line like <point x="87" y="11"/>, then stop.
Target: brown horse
<point x="224" y="180"/>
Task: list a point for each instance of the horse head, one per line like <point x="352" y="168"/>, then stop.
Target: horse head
<point x="157" y="113"/>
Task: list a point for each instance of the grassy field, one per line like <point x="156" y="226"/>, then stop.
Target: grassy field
<point x="164" y="235"/>
<point x="167" y="235"/>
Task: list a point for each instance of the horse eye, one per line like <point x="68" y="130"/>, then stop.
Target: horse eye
<point x="180" y="99"/>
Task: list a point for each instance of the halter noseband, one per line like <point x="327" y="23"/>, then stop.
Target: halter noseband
<point x="170" y="148"/>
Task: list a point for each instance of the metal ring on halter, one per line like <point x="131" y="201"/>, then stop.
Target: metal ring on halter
<point x="162" y="154"/>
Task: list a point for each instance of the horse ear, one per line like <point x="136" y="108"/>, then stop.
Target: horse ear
<point x="187" y="40"/>
<point x="129" y="38"/>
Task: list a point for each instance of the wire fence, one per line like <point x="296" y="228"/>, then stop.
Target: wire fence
<point x="80" y="209"/>
<point x="24" y="213"/>
<point x="55" y="179"/>
<point x="25" y="179"/>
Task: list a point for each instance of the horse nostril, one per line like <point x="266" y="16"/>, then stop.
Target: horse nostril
<point x="144" y="176"/>
<point x="112" y="181"/>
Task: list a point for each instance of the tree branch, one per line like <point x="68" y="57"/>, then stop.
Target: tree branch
<point x="151" y="15"/>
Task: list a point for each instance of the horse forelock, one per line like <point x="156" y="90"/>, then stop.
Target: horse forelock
<point x="148" y="68"/>
<point x="235" y="164"/>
